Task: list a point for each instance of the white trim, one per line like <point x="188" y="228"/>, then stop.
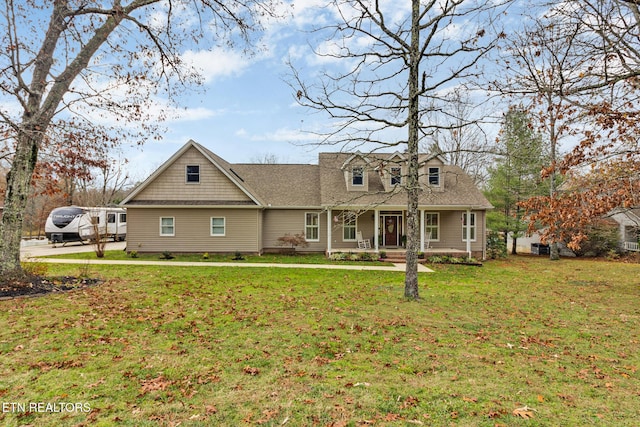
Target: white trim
<point x="224" y="226"/>
<point x="173" y="226"/>
<point x="469" y="214"/>
<point x="355" y="227"/>
<point x="439" y="176"/>
<point x="317" y="226"/>
<point x="437" y="227"/>
<point x="186" y="175"/>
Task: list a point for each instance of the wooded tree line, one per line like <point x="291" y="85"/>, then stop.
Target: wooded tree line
<point x="417" y="75"/>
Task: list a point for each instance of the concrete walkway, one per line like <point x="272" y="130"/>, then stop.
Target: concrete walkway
<point x="34" y="254"/>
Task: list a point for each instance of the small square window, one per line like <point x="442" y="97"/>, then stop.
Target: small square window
<point x="167" y="226"/>
<point x="217" y="226"/>
<point x="193" y="174"/>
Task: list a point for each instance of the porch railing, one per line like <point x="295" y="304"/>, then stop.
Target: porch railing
<point x="631" y="246"/>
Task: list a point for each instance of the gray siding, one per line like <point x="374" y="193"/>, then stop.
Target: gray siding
<point x="278" y="222"/>
<point x="192" y="230"/>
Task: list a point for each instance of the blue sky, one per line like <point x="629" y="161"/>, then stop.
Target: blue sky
<point x="247" y="110"/>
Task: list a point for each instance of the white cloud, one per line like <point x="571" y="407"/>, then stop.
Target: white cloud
<point x="216" y="63"/>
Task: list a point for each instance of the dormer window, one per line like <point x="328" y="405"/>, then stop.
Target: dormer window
<point x="434" y="176"/>
<point x="396" y="176"/>
<point x="357" y="175"/>
<point x="193" y="174"/>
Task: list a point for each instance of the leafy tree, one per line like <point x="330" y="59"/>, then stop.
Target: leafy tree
<point x="516" y="176"/>
<point x="600" y="84"/>
<point x="541" y="66"/>
<point x="399" y="63"/>
<point x="65" y="64"/>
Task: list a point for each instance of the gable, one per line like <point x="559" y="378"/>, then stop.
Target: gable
<point x="170" y="185"/>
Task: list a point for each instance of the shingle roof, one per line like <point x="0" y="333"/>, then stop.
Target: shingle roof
<point x="459" y="188"/>
<point x="323" y="185"/>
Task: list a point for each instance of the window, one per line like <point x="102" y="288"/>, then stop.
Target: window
<point x="111" y="218"/>
<point x="217" y="226"/>
<point x="357" y="175"/>
<point x="123" y="218"/>
<point x="167" y="226"/>
<point x="434" y="176"/>
<point x="349" y="227"/>
<point x="432" y="225"/>
<point x="312" y="226"/>
<point x="193" y="174"/>
<point x="469" y="225"/>
<point x="396" y="176"/>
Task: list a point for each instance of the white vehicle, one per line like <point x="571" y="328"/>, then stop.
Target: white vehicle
<point x="79" y="224"/>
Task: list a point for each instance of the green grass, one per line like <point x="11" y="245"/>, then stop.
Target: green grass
<point x="302" y="347"/>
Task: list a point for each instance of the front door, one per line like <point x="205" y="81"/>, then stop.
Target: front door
<point x="391" y="231"/>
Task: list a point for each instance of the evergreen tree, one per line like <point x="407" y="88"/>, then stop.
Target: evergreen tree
<point x="516" y="175"/>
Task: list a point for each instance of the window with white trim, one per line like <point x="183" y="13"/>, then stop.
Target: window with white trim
<point x="434" y="176"/>
<point x="193" y="174"/>
<point x="312" y="226"/>
<point x="432" y="226"/>
<point x="357" y="175"/>
<point x="469" y="226"/>
<point x="167" y="226"/>
<point x="396" y="176"/>
<point x="349" y="225"/>
<point x="217" y="226"/>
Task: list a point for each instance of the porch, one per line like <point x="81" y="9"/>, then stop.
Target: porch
<point x="632" y="246"/>
<point x="452" y="232"/>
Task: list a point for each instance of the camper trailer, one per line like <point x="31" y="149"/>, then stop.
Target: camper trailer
<point x="79" y="224"/>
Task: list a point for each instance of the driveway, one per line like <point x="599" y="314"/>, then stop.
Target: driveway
<point x="35" y="249"/>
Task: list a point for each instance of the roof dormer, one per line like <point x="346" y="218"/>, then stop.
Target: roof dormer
<point x="392" y="171"/>
<point x="433" y="174"/>
<point x="356" y="169"/>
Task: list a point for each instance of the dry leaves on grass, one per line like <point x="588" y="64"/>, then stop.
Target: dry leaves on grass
<point x="524" y="412"/>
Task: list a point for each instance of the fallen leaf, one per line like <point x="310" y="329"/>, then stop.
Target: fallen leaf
<point x="524" y="412"/>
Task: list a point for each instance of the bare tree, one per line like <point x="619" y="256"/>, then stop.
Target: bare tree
<point x="66" y="63"/>
<point x="399" y="64"/>
<point x="461" y="139"/>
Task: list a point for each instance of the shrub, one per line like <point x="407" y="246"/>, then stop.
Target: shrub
<point x="133" y="254"/>
<point x="366" y="256"/>
<point x="237" y="256"/>
<point x="383" y="254"/>
<point x="205" y="255"/>
<point x="602" y="238"/>
<point x="167" y="255"/>
<point x="338" y="256"/>
<point x="293" y="240"/>
<point x="496" y="246"/>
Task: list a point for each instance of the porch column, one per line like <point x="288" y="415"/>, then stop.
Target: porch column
<point x="422" y="230"/>
<point x="376" y="229"/>
<point x="467" y="230"/>
<point x="329" y="226"/>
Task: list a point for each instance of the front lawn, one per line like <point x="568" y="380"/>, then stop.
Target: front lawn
<point x="520" y="342"/>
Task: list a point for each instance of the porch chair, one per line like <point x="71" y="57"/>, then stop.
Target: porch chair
<point x="427" y="240"/>
<point x="363" y="243"/>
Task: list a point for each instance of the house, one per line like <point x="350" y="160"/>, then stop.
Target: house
<point x="628" y="221"/>
<point x="198" y="202"/>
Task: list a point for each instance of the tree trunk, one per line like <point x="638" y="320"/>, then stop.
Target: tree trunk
<point x="514" y="245"/>
<point x="413" y="190"/>
<point x="15" y="202"/>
